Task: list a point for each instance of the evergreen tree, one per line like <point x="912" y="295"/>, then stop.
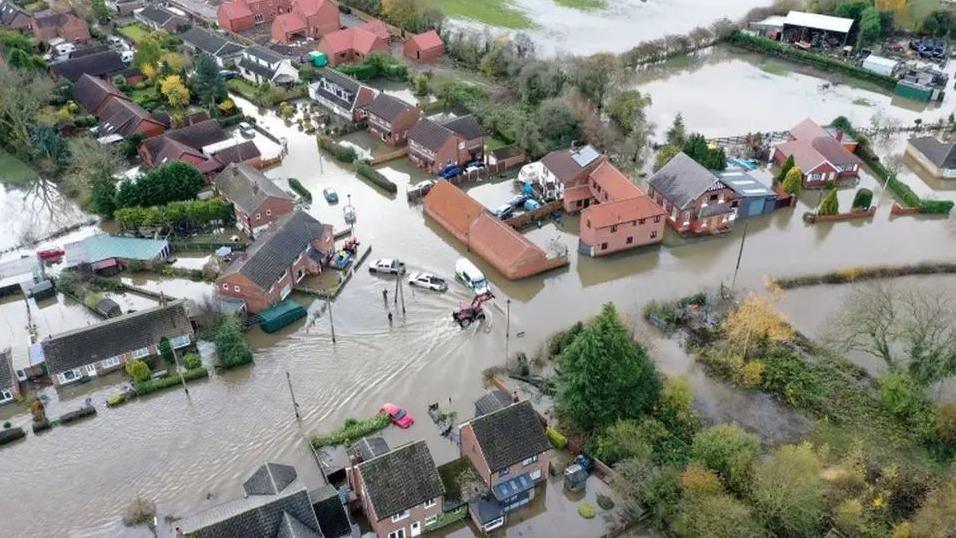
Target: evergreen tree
<point x="677" y="134"/>
<point x="787" y="165"/>
<point x="830" y="205"/>
<point x="207" y="83"/>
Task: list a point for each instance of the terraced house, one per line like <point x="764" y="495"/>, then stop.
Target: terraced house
<point x="346" y="97"/>
<point x="256" y="200"/>
<point x="106" y="346"/>
<point x="390" y="119"/>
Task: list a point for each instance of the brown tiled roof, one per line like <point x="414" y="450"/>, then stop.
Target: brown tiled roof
<point x="466" y="127"/>
<point x="628" y="210"/>
<point x="612" y="180"/>
<point x="102" y="64"/>
<point x="387" y="107"/>
<point x="566" y="164"/>
<point x="429" y="134"/>
<point x="510" y="435"/>
<point x="91" y="92"/>
<point x="400" y="479"/>
<point x="451" y="205"/>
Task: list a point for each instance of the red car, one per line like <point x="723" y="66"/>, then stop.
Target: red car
<point x="399" y="416"/>
<point x="50" y="254"/>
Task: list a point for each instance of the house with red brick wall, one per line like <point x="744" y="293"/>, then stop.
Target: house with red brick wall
<point x="295" y="246"/>
<point x="435" y="146"/>
<point x="15" y="17"/>
<point x="563" y="175"/>
<point x="92" y="93"/>
<point x="822" y="156"/>
<point x="426" y="47"/>
<point x="695" y="200"/>
<point x="621" y="216"/>
<point x="390" y="119"/>
<point x="63" y="25"/>
<point x="309" y="18"/>
<point x="321" y="16"/>
<point x="185" y="144"/>
<point x="400" y="491"/>
<point x="353" y="45"/>
<point x="342" y="95"/>
<point x="510" y="450"/>
<point x="9" y="382"/>
<point x="256" y="200"/>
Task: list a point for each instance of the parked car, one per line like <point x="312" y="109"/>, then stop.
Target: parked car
<point x="474" y="165"/>
<point x="427" y="281"/>
<point x="517" y="201"/>
<point x="471" y="276"/>
<point x="247" y="130"/>
<point x="399" y="416"/>
<point x="422" y="187"/>
<point x="505" y="211"/>
<point x="450" y="172"/>
<point x="387" y="266"/>
<point x="330" y="195"/>
<point x="127" y="56"/>
<point x="228" y="74"/>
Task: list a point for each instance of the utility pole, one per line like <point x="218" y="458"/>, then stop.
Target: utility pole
<point x="398" y="278"/>
<point x="179" y="371"/>
<point x="740" y="255"/>
<point x="401" y="291"/>
<point x="328" y="302"/>
<point x="295" y="404"/>
<point x="508" y="329"/>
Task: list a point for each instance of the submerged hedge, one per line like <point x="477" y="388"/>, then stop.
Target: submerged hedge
<point x="365" y="170"/>
<point x="300" y="189"/>
<point x="153" y="385"/>
<point x="342" y="153"/>
<point x="352" y="430"/>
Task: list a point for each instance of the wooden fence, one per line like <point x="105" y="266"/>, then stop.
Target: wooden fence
<point x="523" y="220"/>
<point x="390" y="156"/>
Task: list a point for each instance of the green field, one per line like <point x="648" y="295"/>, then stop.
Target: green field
<point x="585" y="5"/>
<point x="134" y="32"/>
<point x="917" y="10"/>
<point x="13" y="170"/>
<point x="492" y="12"/>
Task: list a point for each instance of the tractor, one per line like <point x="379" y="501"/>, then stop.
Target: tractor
<point x="468" y="313"/>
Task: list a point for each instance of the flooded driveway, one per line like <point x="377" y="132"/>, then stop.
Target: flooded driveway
<point x="33" y="211"/>
<point x="186" y="453"/>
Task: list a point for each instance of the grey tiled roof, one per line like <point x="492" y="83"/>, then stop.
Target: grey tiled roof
<point x="265" y="54"/>
<point x="272" y="254"/>
<point x="333" y="78"/>
<point x="90" y="92"/>
<point x="387" y="107"/>
<point x="466" y="127"/>
<point x="210" y="42"/>
<point x="682" y="180"/>
<point x="370" y="447"/>
<point x="115" y="336"/>
<point x="429" y="134"/>
<point x="401" y="479"/>
<point x="333" y="518"/>
<point x="257" y="68"/>
<point x="293" y="528"/>
<point x="269" y="479"/>
<point x="239" y="153"/>
<point x="942" y="154"/>
<point x="98" y="65"/>
<point x="510" y="435"/>
<point x="492" y="401"/>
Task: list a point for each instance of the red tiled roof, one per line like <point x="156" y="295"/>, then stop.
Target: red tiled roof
<point x="573" y="194"/>
<point x="504" y="248"/>
<point x="804" y="156"/>
<point x="309" y="7"/>
<point x="290" y="23"/>
<point x="807" y="130"/>
<point x="612" y="180"/>
<point x="427" y="40"/>
<point x="376" y="27"/>
<point x="236" y="9"/>
<point x="356" y="38"/>
<point x="452" y="207"/>
<point x="629" y="210"/>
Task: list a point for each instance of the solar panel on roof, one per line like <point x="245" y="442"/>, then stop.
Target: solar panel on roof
<point x="585" y="155"/>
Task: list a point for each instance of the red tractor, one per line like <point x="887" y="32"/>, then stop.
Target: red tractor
<point x="468" y="313"/>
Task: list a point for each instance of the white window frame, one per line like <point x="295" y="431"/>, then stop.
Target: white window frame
<point x="91" y="369"/>
<point x="5" y="395"/>
<point x="110" y="362"/>
<point x="225" y="285"/>
<point x="431" y="520"/>
<point x="400" y="516"/>
<point x="235" y="289"/>
<point x="430" y="502"/>
<point x="141" y="352"/>
<point x="529" y="461"/>
<point x="180" y="341"/>
<point x="397" y="533"/>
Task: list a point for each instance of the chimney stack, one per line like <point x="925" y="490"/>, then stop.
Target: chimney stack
<point x="839" y="135"/>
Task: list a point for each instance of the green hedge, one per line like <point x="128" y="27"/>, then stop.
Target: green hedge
<point x="300" y="189"/>
<point x="365" y="170"/>
<point x="829" y="63"/>
<point x="353" y="430"/>
<point x="152" y="385"/>
<point x="342" y="153"/>
<point x="558" y="440"/>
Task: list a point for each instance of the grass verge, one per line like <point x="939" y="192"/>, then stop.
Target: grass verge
<point x="584" y="5"/>
<point x="500" y="13"/>
<point x="13" y="170"/>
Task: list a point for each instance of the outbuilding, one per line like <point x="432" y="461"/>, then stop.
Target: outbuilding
<point x="881" y="65"/>
<point x="425" y="47"/>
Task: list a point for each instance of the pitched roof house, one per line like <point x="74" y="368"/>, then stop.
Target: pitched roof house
<point x="820" y="155"/>
<point x="92" y="93"/>
<point x="117" y="114"/>
<point x="694" y="198"/>
<point x="256" y="200"/>
<point x="63" y="25"/>
<point x="221" y="49"/>
<point x="436" y="146"/>
<point x="101" y="65"/>
<point x="9" y="384"/>
<point x="563" y="174"/>
<point x="510" y="450"/>
<point x="936" y="156"/>
<point x="620" y="216"/>
<point x="511" y="253"/>
<point x="106" y="346"/>
<point x="400" y="491"/>
<point x="15" y="17"/>
<point x="275" y="504"/>
<point x="296" y="245"/>
<point x="343" y="95"/>
<point x="160" y="18"/>
<point x="259" y="64"/>
<point x="332" y="514"/>
<point x="353" y="45"/>
<point x="425" y="47"/>
<point x="290" y="19"/>
<point x="187" y="144"/>
<point x="390" y="118"/>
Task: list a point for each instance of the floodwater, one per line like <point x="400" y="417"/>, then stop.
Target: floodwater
<point x="186" y="453"/>
<point x="31" y="212"/>
<point x="622" y="25"/>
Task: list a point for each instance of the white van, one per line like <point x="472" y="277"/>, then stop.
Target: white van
<point x="471" y="276"/>
<point x="127" y="56"/>
<point x="64" y="49"/>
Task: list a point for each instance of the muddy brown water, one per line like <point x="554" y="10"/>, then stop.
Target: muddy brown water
<point x="190" y="453"/>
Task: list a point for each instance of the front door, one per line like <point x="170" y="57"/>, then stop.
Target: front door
<point x="416" y="529"/>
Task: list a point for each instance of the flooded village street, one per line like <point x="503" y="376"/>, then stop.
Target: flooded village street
<point x="191" y="452"/>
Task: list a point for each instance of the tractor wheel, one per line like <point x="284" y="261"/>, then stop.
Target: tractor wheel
<point x="481" y="316"/>
<point x="464" y="322"/>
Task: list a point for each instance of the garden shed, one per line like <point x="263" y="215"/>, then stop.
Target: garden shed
<point x="281" y="315"/>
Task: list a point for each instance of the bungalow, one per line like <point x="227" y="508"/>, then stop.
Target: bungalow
<point x="695" y="199"/>
<point x="294" y="247"/>
<point x="101" y="65"/>
<point x="275" y="503"/>
<point x="15" y="17"/>
<point x="187" y="145"/>
<point x="390" y="118"/>
<point x="125" y="7"/>
<point x="256" y="200"/>
<point x="199" y="40"/>
<point x="9" y="384"/>
<point x="426" y="47"/>
<point x="159" y="17"/>
<point x="92" y="94"/>
<point x="936" y="156"/>
<point x="343" y="95"/>
<point x="563" y="175"/>
<point x="436" y="146"/>
<point x="259" y="64"/>
<point x="400" y="491"/>
<point x="510" y="451"/>
<point x="353" y="45"/>
<point x="63" y="25"/>
<point x="621" y="216"/>
<point x="823" y="157"/>
<point x="103" y="253"/>
<point x="125" y="118"/>
<point x="106" y="346"/>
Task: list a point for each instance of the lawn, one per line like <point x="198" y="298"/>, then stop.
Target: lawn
<point x="36" y="6"/>
<point x="491" y="12"/>
<point x="585" y="5"/>
<point x="917" y="10"/>
<point x="134" y="32"/>
<point x="13" y="170"/>
<point x="141" y="95"/>
<point x="243" y="88"/>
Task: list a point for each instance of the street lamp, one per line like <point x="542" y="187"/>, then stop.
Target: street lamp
<point x="508" y="329"/>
